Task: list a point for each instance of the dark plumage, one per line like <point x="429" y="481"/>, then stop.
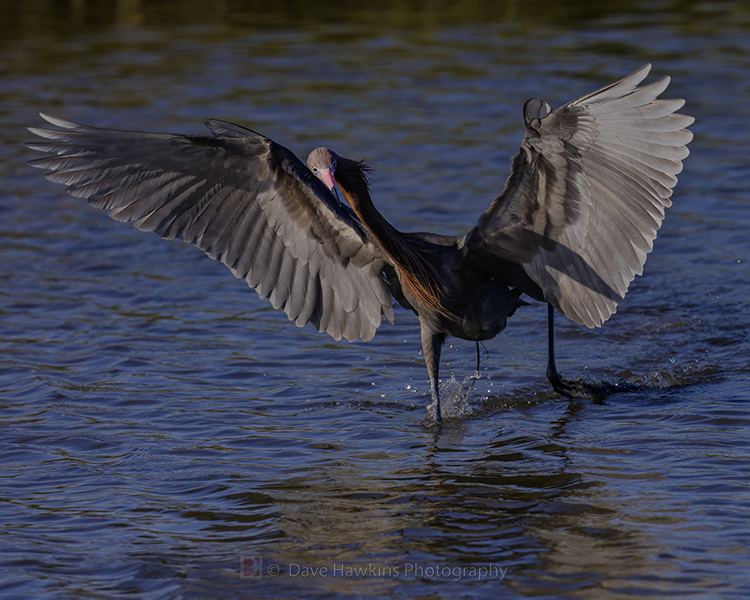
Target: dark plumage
<point x="573" y="226"/>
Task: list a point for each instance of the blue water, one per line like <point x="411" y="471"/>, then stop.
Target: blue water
<point x="161" y="424"/>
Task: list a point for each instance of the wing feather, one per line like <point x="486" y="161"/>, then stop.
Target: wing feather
<point x="586" y="197"/>
<point x="243" y="200"/>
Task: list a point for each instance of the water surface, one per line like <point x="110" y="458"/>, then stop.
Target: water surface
<point x="160" y="422"/>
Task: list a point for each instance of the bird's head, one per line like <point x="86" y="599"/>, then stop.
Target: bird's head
<point x="323" y="162"/>
<point x="352" y="174"/>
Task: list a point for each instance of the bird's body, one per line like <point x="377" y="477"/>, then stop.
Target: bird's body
<point x="572" y="227"/>
<point x="434" y="275"/>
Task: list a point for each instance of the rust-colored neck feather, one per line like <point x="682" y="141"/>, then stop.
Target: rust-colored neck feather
<point x="417" y="273"/>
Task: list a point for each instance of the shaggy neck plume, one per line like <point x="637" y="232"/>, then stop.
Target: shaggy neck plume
<point x="417" y="274"/>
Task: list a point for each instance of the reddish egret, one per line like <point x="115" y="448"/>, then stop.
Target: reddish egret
<point x="573" y="226"/>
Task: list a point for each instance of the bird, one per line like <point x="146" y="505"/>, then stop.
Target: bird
<point x="573" y="225"/>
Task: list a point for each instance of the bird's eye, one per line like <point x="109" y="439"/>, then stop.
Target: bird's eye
<point x="314" y="169"/>
<point x="333" y="164"/>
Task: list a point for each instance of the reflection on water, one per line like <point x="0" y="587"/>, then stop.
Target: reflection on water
<point x="87" y="16"/>
<point x="160" y="422"/>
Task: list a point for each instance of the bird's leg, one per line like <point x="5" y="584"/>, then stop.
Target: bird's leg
<point x="476" y="376"/>
<point x="431" y="346"/>
<point x="552" y="374"/>
<point x="575" y="388"/>
<point x="570" y="388"/>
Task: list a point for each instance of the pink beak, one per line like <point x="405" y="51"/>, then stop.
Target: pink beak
<point x="327" y="177"/>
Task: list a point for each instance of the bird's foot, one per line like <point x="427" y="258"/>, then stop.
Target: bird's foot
<point x="578" y="388"/>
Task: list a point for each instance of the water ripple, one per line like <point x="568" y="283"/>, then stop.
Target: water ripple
<point x="160" y="422"/>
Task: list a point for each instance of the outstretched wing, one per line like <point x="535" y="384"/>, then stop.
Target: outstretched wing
<point x="242" y="199"/>
<point x="586" y="196"/>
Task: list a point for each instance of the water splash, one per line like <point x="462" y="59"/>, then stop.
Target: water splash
<point x="454" y="399"/>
